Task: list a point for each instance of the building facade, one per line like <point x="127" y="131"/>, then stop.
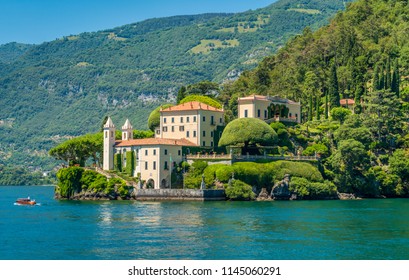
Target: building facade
<point x="268" y="108"/>
<point x="192" y="124"/>
<point x="199" y="123"/>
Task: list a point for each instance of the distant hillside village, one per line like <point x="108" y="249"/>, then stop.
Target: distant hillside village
<point x="192" y="126"/>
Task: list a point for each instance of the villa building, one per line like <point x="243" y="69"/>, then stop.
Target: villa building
<point x="269" y="109"/>
<point x="192" y="124"/>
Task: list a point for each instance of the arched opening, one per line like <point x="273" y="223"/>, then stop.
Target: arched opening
<point x="150" y="184"/>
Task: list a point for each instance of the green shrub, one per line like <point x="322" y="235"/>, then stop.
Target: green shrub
<point x="130" y="163"/>
<point x="224" y="173"/>
<point x="88" y="176"/>
<point x="320" y="149"/>
<point x="299" y="186"/>
<point x="315" y="190"/>
<point x="99" y="184"/>
<point x="118" y="162"/>
<point x="239" y="191"/>
<point x="69" y="181"/>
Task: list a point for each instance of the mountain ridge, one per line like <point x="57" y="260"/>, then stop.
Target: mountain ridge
<point x="65" y="87"/>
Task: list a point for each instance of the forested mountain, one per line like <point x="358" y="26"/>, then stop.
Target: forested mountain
<point x="65" y="87"/>
<point x="362" y="55"/>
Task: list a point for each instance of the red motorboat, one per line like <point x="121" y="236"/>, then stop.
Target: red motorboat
<point x="25" y="201"/>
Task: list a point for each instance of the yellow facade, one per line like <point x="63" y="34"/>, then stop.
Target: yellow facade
<point x="269" y="108"/>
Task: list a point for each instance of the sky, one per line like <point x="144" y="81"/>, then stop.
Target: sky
<point x="37" y="21"/>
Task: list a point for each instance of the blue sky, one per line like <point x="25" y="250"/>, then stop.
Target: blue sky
<point x="37" y="21"/>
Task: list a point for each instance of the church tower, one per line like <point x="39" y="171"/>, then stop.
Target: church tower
<point x="127" y="131"/>
<point x="109" y="142"/>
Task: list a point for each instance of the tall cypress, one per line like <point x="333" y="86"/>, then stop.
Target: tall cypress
<point x="333" y="88"/>
<point x="310" y="109"/>
<point x="326" y="106"/>
<point x="317" y="108"/>
<point x="395" y="84"/>
<point x="388" y="74"/>
<point x="375" y="79"/>
<point x="381" y="79"/>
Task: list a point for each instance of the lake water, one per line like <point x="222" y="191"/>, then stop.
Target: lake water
<point x="288" y="230"/>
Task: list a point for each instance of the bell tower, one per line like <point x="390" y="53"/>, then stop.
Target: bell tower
<point x="127" y="131"/>
<point x="109" y="143"/>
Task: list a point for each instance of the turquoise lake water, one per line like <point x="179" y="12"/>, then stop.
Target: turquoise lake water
<point x="288" y="230"/>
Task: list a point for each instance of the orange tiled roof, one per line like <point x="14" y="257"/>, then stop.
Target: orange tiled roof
<point x="154" y="141"/>
<point x="191" y="106"/>
<point x="347" y="101"/>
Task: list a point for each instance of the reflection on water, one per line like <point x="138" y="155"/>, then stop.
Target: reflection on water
<point x="367" y="229"/>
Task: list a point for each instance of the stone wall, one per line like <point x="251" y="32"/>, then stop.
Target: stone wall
<point x="178" y="194"/>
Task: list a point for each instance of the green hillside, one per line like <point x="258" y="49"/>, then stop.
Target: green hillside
<point x="64" y="88"/>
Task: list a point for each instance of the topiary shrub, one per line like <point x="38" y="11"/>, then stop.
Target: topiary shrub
<point x="130" y="163"/>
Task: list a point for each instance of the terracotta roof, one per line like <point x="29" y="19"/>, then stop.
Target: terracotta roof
<point x="154" y="142"/>
<point x="191" y="106"/>
<point x="347" y="101"/>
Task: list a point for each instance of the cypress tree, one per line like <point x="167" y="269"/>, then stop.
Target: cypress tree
<point x="310" y="109"/>
<point x="375" y="79"/>
<point x="388" y="74"/>
<point x="333" y="88"/>
<point x="326" y="106"/>
<point x="181" y="94"/>
<point x="381" y="79"/>
<point x="395" y="84"/>
<point x="317" y="108"/>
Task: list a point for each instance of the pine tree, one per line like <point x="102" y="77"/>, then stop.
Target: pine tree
<point x="375" y="79"/>
<point x="388" y="74"/>
<point x="333" y="88"/>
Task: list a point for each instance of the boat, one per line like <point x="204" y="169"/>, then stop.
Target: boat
<point x="25" y="201"/>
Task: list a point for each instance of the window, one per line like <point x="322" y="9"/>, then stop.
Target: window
<point x="154" y="165"/>
<point x="181" y="119"/>
<point x="173" y="120"/>
<point x="211" y="134"/>
<point x="291" y="115"/>
<point x="146" y="152"/>
<point x="265" y="114"/>
<point x="165" y="129"/>
<point x="166" y="166"/>
<point x="179" y="152"/>
<point x="246" y="113"/>
<point x="166" y="152"/>
<point x="204" y="143"/>
<point x="187" y="119"/>
<point x="181" y="128"/>
<point x="158" y="131"/>
<point x="211" y="144"/>
<point x="112" y="134"/>
<point x="204" y="133"/>
<point x="296" y="116"/>
<point x="146" y="165"/>
<point x="221" y="120"/>
<point x="212" y="120"/>
<point x="194" y="119"/>
<point x="154" y="152"/>
<point x="187" y="134"/>
<point x="204" y="118"/>
<point x="194" y="133"/>
<point x="106" y="134"/>
<point x="164" y="120"/>
<point x="173" y="128"/>
<point x="258" y="113"/>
